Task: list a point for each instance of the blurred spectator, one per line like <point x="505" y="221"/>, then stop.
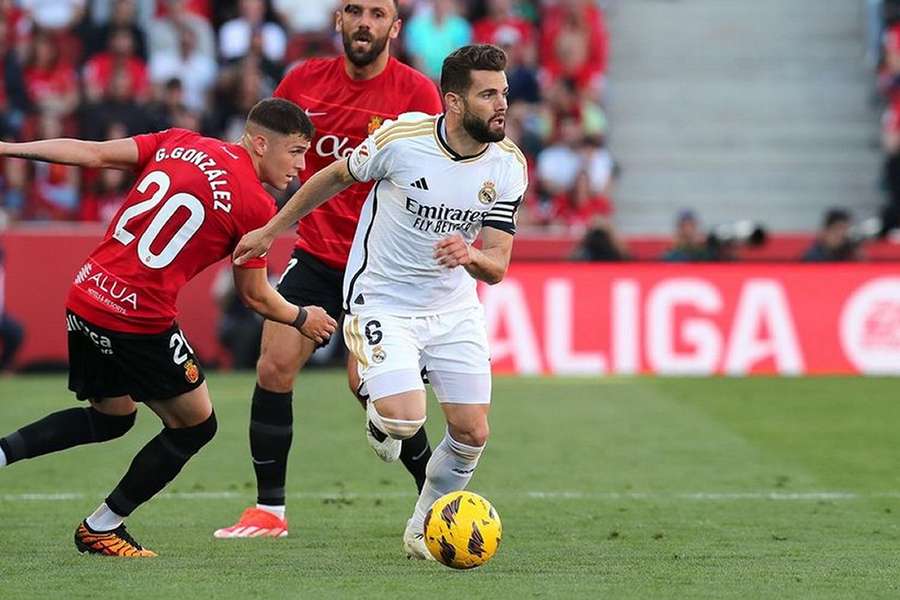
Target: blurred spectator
<point x="834" y="243"/>
<point x="11" y="332"/>
<point x="235" y="35"/>
<point x="689" y="241"/>
<point x="123" y="16"/>
<point x="239" y="329"/>
<point x="574" y="44"/>
<point x="118" y="105"/>
<point x="502" y="26"/>
<point x="54" y="14"/>
<point x="255" y="58"/>
<point x="108" y="188"/>
<point x="576" y="175"/>
<point x="162" y="35"/>
<point x="16" y="26"/>
<point x="240" y="86"/>
<point x="50" y="80"/>
<point x="890" y="143"/>
<point x="302" y="16"/>
<point x="196" y="71"/>
<point x="119" y="56"/>
<point x="601" y="243"/>
<point x="101" y="12"/>
<point x="436" y="30"/>
<point x="13" y="95"/>
<point x="14" y="188"/>
<point x="55" y="191"/>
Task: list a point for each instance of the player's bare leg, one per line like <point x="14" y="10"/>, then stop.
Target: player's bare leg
<point x="284" y="351"/>
<point x="414" y="452"/>
<point x="189" y="423"/>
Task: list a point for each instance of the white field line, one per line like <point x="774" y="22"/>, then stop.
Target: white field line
<point x="534" y="495"/>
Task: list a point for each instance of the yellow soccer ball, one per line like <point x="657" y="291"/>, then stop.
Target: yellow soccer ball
<point x="462" y="530"/>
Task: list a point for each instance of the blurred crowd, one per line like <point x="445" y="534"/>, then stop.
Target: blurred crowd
<point x="102" y="69"/>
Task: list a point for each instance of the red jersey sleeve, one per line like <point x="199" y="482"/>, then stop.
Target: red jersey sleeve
<point x="147" y="143"/>
<point x="258" y="208"/>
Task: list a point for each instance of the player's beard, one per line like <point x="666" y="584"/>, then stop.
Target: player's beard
<point x="363" y="58"/>
<point x="480" y="130"/>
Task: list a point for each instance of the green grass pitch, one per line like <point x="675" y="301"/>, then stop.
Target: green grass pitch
<point x="619" y="488"/>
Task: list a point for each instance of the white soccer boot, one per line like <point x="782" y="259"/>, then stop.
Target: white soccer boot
<point x="414" y="544"/>
<point x="386" y="447"/>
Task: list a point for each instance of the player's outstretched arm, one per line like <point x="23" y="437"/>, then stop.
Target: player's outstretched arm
<point x="489" y="264"/>
<point x="254" y="290"/>
<point x="112" y="154"/>
<point x="331" y="180"/>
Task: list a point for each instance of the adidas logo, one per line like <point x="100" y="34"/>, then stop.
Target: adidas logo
<point x="421" y="184"/>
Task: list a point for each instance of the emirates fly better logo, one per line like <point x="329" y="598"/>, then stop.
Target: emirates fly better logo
<point x="870" y="327"/>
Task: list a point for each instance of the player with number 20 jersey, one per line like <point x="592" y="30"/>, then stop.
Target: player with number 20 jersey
<point x="193" y="199"/>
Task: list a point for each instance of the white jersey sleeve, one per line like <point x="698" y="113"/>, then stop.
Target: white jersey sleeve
<point x="505" y="212"/>
<point x="373" y="158"/>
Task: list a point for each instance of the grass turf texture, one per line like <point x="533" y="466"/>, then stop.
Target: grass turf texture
<point x="623" y="488"/>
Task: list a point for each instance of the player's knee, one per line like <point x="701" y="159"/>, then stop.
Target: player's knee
<point x="276" y="372"/>
<point x="472" y="434"/>
<point x="187" y="441"/>
<point x="401" y="429"/>
<point x="109" y="427"/>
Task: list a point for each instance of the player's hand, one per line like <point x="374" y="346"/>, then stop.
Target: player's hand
<point x="318" y="325"/>
<point x="453" y="251"/>
<point x="254" y="244"/>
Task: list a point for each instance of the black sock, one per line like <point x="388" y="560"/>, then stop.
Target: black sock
<point x="271" y="432"/>
<point x="415" y="453"/>
<point x="62" y="430"/>
<point x="158" y="463"/>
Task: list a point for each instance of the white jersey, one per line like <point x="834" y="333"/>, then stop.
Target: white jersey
<point x="424" y="192"/>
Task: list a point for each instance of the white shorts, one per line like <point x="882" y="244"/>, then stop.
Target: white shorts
<point x="453" y="345"/>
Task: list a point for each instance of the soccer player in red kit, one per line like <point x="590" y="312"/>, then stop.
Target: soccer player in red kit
<point x="193" y="200"/>
<point x="347" y="97"/>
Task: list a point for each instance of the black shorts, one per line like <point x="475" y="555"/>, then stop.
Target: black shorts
<point x="307" y="280"/>
<point x="106" y="364"/>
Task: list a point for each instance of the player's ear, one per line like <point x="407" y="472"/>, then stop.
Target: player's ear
<point x="260" y="143"/>
<point x="394" y="31"/>
<point x="454" y="103"/>
<point x="338" y="21"/>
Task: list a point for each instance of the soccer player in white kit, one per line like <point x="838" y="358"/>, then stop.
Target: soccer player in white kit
<point x="409" y="289"/>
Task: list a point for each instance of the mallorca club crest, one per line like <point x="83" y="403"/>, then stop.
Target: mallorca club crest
<point x="488" y="193"/>
<point x="191" y="371"/>
<point x="374" y="123"/>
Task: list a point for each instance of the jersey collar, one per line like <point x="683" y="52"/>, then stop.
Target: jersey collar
<point x="439" y="133"/>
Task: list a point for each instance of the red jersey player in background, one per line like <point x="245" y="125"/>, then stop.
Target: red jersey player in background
<point x="347" y="98"/>
<point x="194" y="199"/>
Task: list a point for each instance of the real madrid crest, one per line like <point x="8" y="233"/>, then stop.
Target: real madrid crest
<point x="374" y="123"/>
<point x="488" y="193"/>
<point x="378" y="354"/>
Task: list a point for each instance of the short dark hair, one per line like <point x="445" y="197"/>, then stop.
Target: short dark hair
<point x="836" y="215"/>
<point x="456" y="74"/>
<point x="281" y="116"/>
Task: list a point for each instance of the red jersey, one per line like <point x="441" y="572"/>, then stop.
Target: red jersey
<point x="194" y="199"/>
<point x="345" y="112"/>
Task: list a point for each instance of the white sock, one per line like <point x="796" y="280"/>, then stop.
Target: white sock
<point x="450" y="468"/>
<point x="104" y="519"/>
<point x="2" y="458"/>
<point x="278" y="511"/>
